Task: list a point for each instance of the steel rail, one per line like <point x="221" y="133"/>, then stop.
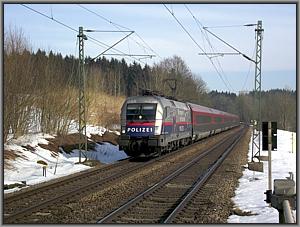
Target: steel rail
<point x="48" y="186"/>
<point x="201" y="181"/>
<point x="69" y="194"/>
<point x="159" y="184"/>
<point x="105" y="180"/>
<point x="48" y="202"/>
<point x="65" y="196"/>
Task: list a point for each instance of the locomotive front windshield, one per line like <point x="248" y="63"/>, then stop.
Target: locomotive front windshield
<point x="140" y="112"/>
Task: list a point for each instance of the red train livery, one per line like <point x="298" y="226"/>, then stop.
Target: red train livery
<point x="153" y="124"/>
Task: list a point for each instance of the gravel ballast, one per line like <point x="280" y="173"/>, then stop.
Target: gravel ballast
<point x="91" y="208"/>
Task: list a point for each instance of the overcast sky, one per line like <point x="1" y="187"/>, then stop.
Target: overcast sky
<point x="164" y="37"/>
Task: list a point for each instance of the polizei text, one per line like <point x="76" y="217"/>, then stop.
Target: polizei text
<point x="140" y="129"/>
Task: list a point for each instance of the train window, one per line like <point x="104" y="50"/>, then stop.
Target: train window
<point x="166" y="112"/>
<point x="218" y="119"/>
<point x="203" y="119"/>
<point x="133" y="109"/>
<point x="133" y="112"/>
<point x="148" y="109"/>
<point x="141" y="112"/>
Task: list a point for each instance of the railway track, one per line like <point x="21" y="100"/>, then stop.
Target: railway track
<point x="22" y="205"/>
<point x="162" y="202"/>
<point x="49" y="186"/>
<point x="37" y="199"/>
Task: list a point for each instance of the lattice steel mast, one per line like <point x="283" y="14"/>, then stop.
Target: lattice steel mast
<point x="257" y="93"/>
<point x="82" y="112"/>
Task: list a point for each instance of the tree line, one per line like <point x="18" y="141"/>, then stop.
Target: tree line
<point x="41" y="89"/>
<point x="276" y="105"/>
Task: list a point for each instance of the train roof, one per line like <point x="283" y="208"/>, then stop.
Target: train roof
<point x="199" y="108"/>
<point x="166" y="101"/>
<point x="157" y="99"/>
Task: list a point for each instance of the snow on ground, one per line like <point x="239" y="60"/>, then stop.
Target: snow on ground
<point x="106" y="153"/>
<point x="27" y="169"/>
<point x="89" y="129"/>
<point x="252" y="185"/>
<point x="249" y="195"/>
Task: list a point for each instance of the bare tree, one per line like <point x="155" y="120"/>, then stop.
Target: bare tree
<point x="189" y="87"/>
<point x="18" y="84"/>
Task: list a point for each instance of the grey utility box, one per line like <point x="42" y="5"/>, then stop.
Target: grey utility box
<point x="284" y="187"/>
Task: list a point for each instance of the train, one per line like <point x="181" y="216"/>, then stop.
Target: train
<point x="152" y="124"/>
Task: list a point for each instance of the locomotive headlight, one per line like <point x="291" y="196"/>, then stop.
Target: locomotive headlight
<point x="123" y="130"/>
<point x="157" y="130"/>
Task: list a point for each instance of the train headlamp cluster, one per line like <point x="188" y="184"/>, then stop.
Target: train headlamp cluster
<point x="157" y="130"/>
<point x="123" y="130"/>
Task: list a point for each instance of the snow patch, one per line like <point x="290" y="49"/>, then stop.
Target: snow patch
<point x="252" y="185"/>
<point x="26" y="168"/>
<point x="106" y="153"/>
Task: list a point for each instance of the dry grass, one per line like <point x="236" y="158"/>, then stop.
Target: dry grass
<point x="9" y="155"/>
<point x="104" y="109"/>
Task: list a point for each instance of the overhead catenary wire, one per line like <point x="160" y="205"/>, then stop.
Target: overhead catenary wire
<point x="219" y="54"/>
<point x="238" y="52"/>
<point x="187" y="32"/>
<point x="205" y="28"/>
<point x="246" y="79"/>
<point x="229" y="26"/>
<point x="51" y="18"/>
<point x="121" y="53"/>
<point x="112" y="46"/>
<point x="138" y="55"/>
<point x="244" y="55"/>
<point x="118" y="26"/>
<point x="200" y="26"/>
<point x="51" y="11"/>
<point x="108" y="31"/>
<point x="103" y="45"/>
<point x="251" y="59"/>
<point x="219" y="74"/>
